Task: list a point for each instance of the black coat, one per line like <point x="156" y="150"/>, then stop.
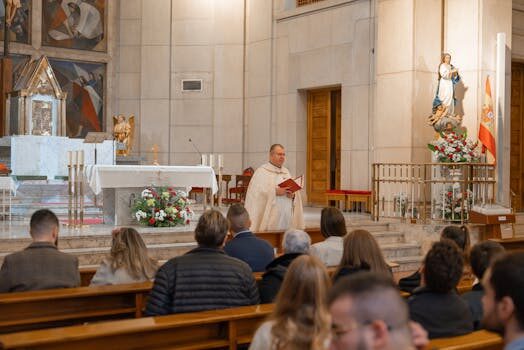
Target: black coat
<point x="273" y="277"/>
<point x="474" y="300"/>
<point x="202" y="279"/>
<point x="255" y="252"/>
<point x="441" y="314"/>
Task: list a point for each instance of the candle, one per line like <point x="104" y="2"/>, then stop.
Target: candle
<point x="211" y="160"/>
<point x="203" y="159"/>
<point x="81" y="160"/>
<point x="69" y="157"/>
<point x="75" y="155"/>
<point x="220" y="160"/>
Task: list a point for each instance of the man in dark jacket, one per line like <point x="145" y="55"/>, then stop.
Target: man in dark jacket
<point x="436" y="304"/>
<point x="204" y="278"/>
<point x="481" y="256"/>
<point x="294" y="244"/>
<point x="256" y="252"/>
<point x="41" y="265"/>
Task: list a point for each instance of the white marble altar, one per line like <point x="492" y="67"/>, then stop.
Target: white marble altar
<point x="121" y="184"/>
<point x="47" y="155"/>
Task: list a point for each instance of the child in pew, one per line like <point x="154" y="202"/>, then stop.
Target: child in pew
<point x="300" y="319"/>
<point x="481" y="256"/>
<point x="459" y="235"/>
<point x="128" y="261"/>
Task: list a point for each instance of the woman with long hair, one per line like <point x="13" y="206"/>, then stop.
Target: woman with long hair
<point x="361" y="252"/>
<point x="128" y="260"/>
<point x="333" y="228"/>
<point x="300" y="320"/>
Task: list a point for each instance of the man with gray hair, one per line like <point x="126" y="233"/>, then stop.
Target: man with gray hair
<point x="294" y="244"/>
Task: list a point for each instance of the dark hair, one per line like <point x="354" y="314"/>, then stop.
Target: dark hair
<point x="361" y="282"/>
<point x="275" y="145"/>
<point x="238" y="217"/>
<point x="507" y="279"/>
<point x="459" y="235"/>
<point x="443" y="266"/>
<point x="332" y="222"/>
<point x="211" y="229"/>
<point x="482" y="254"/>
<point x="42" y="223"/>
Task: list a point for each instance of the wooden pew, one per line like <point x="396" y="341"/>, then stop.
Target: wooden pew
<point x="48" y="308"/>
<point x="199" y="330"/>
<point x="479" y="340"/>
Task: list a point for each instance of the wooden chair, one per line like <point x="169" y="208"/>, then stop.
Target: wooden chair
<point x="224" y="329"/>
<point x="49" y="308"/>
<point x="237" y="194"/>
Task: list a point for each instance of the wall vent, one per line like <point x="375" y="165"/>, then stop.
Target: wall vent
<point x="191" y="84"/>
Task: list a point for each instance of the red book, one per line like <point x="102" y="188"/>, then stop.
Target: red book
<point x="293" y="184"/>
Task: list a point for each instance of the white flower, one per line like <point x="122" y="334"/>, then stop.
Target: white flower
<point x="140" y="214"/>
<point x="147" y="193"/>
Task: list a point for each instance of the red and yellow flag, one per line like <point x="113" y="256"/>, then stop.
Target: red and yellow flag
<point x="487" y="124"/>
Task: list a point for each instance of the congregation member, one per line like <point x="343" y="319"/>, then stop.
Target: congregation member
<point x="503" y="299"/>
<point x="204" y="278"/>
<point x="256" y="252"/>
<point x="41" y="265"/>
<point x="368" y="313"/>
<point x="481" y="256"/>
<point x="270" y="206"/>
<point x="300" y="319"/>
<point x="128" y="260"/>
<point x="459" y="235"/>
<point x="333" y="228"/>
<point x="294" y="244"/>
<point x="436" y="305"/>
<point x="361" y="252"/>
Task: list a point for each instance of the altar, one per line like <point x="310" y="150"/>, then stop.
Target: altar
<point x="121" y="184"/>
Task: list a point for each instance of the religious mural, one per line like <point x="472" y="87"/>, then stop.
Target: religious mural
<point x="19" y="17"/>
<point x="74" y="24"/>
<point x="18" y="63"/>
<point x="84" y="84"/>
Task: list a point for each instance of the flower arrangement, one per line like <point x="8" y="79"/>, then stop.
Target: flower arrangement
<point x="452" y="206"/>
<point x="453" y="147"/>
<point x="162" y="207"/>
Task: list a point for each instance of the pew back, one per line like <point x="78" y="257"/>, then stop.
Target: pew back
<point x="226" y="328"/>
<point x="479" y="340"/>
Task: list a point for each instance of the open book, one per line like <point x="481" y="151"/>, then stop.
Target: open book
<point x="293" y="184"/>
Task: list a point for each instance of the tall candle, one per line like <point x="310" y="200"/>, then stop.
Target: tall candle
<point x="75" y="157"/>
<point x="69" y="157"/>
<point x="81" y="160"/>
<point x="220" y="160"/>
<point x="203" y="159"/>
<point x="211" y="160"/>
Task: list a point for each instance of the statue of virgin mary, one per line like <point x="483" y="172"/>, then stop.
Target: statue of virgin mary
<point x="447" y="78"/>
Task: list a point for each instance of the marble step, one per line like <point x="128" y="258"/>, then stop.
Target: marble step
<point x="389" y="237"/>
<point x="368" y="225"/>
<point x="398" y="250"/>
<point x="100" y="241"/>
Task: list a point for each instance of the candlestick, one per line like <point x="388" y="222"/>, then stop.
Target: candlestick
<point x="211" y="160"/>
<point x="220" y="160"/>
<point x="203" y="159"/>
<point x="81" y="160"/>
<point x="69" y="157"/>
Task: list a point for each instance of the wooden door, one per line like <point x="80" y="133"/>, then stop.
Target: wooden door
<point x="323" y="156"/>
<point x="517" y="135"/>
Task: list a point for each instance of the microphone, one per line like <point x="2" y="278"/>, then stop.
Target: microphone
<point x="195" y="147"/>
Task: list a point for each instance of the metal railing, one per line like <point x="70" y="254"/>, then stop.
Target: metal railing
<point x="431" y="191"/>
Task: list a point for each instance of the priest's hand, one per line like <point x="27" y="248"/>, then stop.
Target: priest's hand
<point x="281" y="191"/>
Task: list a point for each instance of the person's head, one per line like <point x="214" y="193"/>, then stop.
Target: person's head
<point x="301" y="319"/>
<point x="459" y="235"/>
<point x="368" y="312"/>
<point x="277" y="155"/>
<point x="129" y="251"/>
<point x="296" y="241"/>
<point x="503" y="300"/>
<point x="332" y="222"/>
<point x="446" y="58"/>
<point x="443" y="267"/>
<point x="43" y="226"/>
<point x="361" y="250"/>
<point x="238" y="218"/>
<point x="481" y="256"/>
<point x="211" y="229"/>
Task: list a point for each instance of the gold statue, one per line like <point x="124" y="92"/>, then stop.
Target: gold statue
<point x="123" y="132"/>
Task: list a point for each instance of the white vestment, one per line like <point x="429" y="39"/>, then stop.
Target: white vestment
<point x="445" y="87"/>
<point x="267" y="210"/>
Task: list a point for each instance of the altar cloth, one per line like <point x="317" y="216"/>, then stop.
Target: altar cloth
<point x="126" y="176"/>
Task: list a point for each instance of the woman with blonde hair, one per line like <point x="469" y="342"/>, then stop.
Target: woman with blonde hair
<point x="300" y="320"/>
<point x="128" y="261"/>
<point x="361" y="252"/>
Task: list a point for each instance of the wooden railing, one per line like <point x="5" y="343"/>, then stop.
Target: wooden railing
<point x="216" y="329"/>
<point x="431" y="191"/>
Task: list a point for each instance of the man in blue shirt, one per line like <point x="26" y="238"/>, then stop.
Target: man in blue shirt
<point x="503" y="299"/>
<point x="256" y="252"/>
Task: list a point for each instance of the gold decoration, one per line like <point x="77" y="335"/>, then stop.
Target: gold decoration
<point x="123" y="132"/>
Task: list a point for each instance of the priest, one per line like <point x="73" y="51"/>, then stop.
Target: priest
<point x="270" y="206"/>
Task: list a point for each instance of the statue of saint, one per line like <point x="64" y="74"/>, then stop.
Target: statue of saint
<point x="444" y="101"/>
<point x="123" y="131"/>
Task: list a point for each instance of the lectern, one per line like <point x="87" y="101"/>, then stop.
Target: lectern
<point x="491" y="222"/>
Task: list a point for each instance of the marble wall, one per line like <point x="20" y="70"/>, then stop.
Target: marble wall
<point x="517" y="36"/>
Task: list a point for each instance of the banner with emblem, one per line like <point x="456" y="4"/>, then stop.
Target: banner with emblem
<point x="487" y="123"/>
